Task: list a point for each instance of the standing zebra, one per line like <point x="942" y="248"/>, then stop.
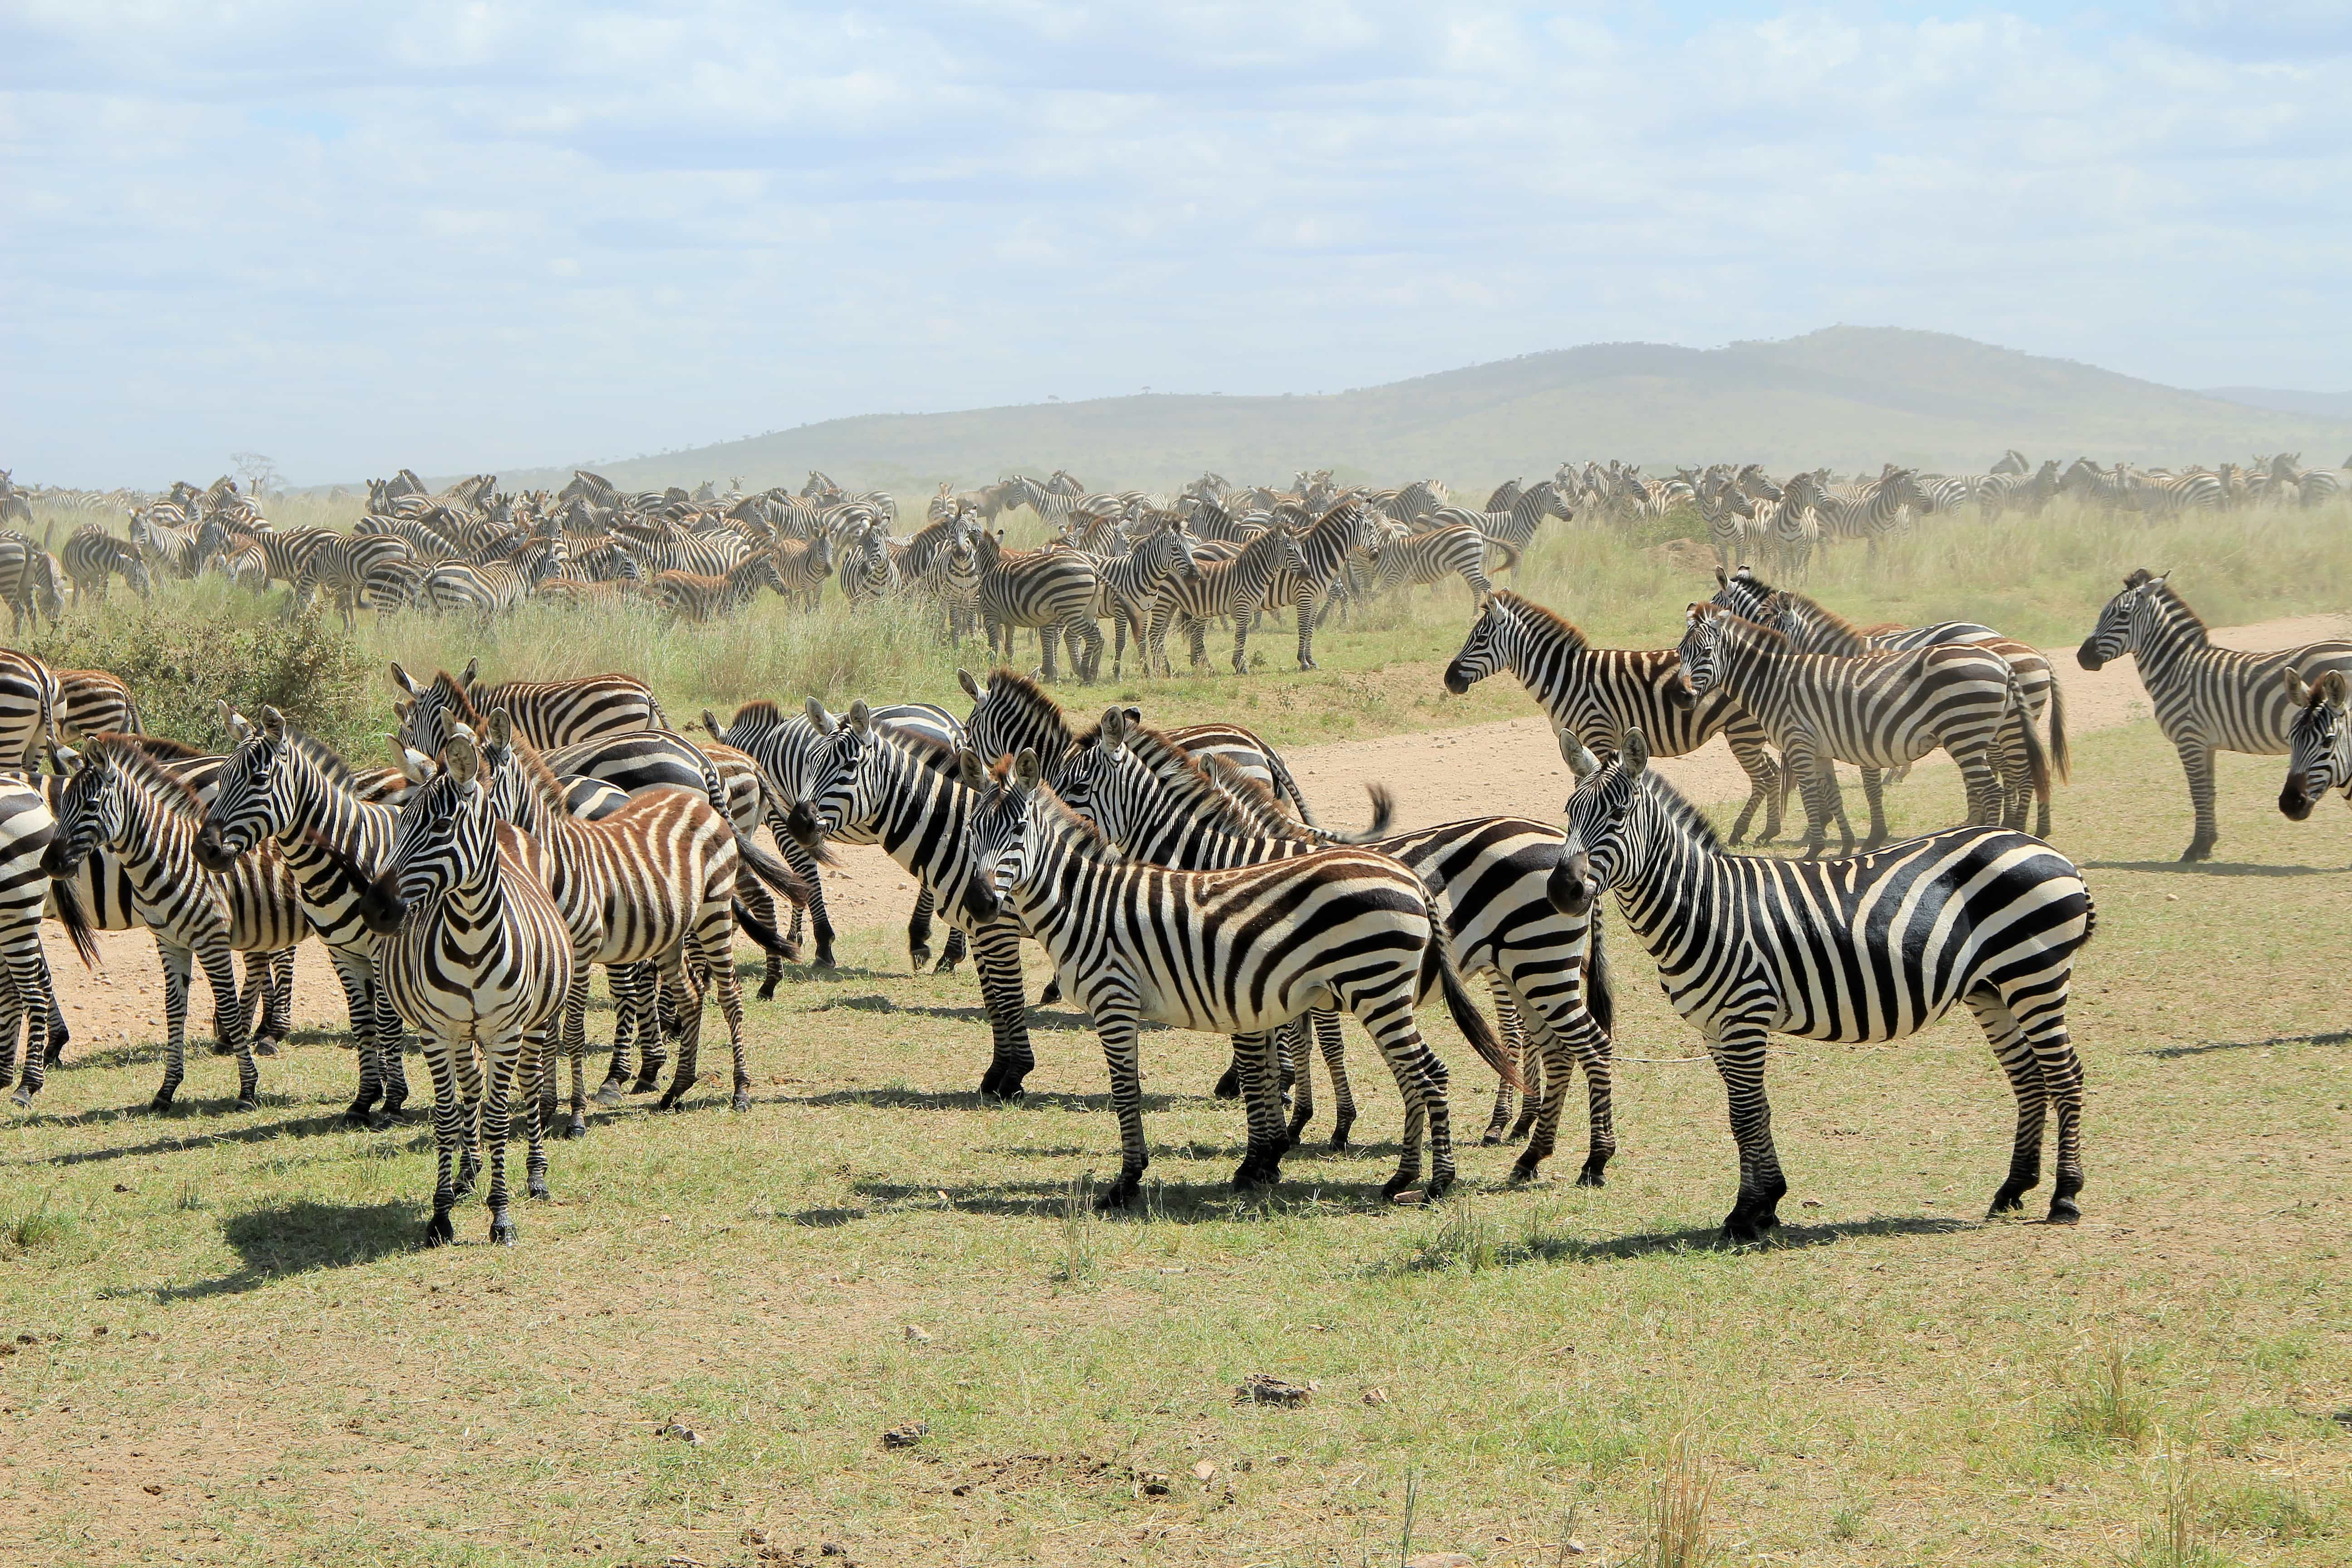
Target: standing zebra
<point x="692" y="597"/>
<point x="475" y="957"/>
<point x="546" y="713"/>
<point x="1850" y="951"/>
<point x="2207" y="699"/>
<point x="2320" y="756"/>
<point x="1237" y="952"/>
<point x="1598" y="694"/>
<point x="1131" y="585"/>
<point x="1052" y="590"/>
<point x="121" y="798"/>
<point x="27" y="831"/>
<point x="1510" y="520"/>
<point x="1236" y="588"/>
<point x="1878" y="711"/>
<point x="1413" y="559"/>
<point x="1348" y="530"/>
<point x="91" y="556"/>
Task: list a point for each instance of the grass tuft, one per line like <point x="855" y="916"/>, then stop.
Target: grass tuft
<point x="2174" y="1538"/>
<point x="1681" y="1505"/>
<point x="33" y="1229"/>
<point x="2109" y="1409"/>
<point x="1079" y="1232"/>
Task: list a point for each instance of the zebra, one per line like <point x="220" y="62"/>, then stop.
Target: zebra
<point x="2207" y="699"/>
<point x="1130" y="584"/>
<point x="868" y="571"/>
<point x="29" y="581"/>
<point x="689" y="597"/>
<point x="28" y="706"/>
<point x="1598" y="694"/>
<point x="1510" y="523"/>
<point x="475" y="957"/>
<point x="1158" y="805"/>
<point x="120" y="798"/>
<point x="1052" y="590"/>
<point x="1238" y="952"/>
<point x="166" y="541"/>
<point x="1878" y="710"/>
<point x="28" y="828"/>
<point x="546" y="713"/>
<point x="785" y="747"/>
<point x="1414" y="560"/>
<point x="1814" y="628"/>
<point x="343" y="566"/>
<point x="2319" y="758"/>
<point x="282" y="785"/>
<point x="1012" y="711"/>
<point x="653" y="882"/>
<point x="952" y="578"/>
<point x="1347" y="530"/>
<point x="1868" y="948"/>
<point x="95" y="702"/>
<point x="92" y="556"/>
<point x="1237" y="588"/>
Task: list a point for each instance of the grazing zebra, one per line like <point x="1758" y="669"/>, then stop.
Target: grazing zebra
<point x="1598" y="694"/>
<point x="1236" y="588"/>
<point x="28" y="581"/>
<point x="166" y="541"/>
<point x="95" y="702"/>
<point x="344" y="566"/>
<point x="1012" y="711"/>
<point x="2207" y="699"/>
<point x="1813" y="628"/>
<point x="1233" y="953"/>
<point x="1052" y="590"/>
<point x="1158" y="805"/>
<point x="27" y="830"/>
<point x="546" y="713"/>
<point x="489" y="590"/>
<point x="2319" y="758"/>
<point x="653" y="882"/>
<point x="697" y="554"/>
<point x="689" y="597"/>
<point x="91" y="556"/>
<point x="785" y="747"/>
<point x="477" y="958"/>
<point x="1413" y="559"/>
<point x="1851" y="951"/>
<point x="1878" y="711"/>
<point x="120" y="798"/>
<point x="282" y="785"/>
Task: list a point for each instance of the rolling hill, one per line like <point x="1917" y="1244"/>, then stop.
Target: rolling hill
<point x="1845" y="397"/>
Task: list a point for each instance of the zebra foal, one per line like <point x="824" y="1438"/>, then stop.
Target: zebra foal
<point x="1849" y="951"/>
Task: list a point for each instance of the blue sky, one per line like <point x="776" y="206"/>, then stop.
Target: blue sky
<point x="478" y="235"/>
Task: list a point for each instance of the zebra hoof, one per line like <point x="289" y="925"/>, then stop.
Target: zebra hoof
<point x="23" y="1098"/>
<point x="768" y="991"/>
<point x="1524" y="1171"/>
<point x="463" y="1185"/>
<point x="358" y="1116"/>
<point x="1229" y="1087"/>
<point x="611" y="1091"/>
<point x="538" y="1190"/>
<point x="1121" y="1196"/>
<point x="645" y="1085"/>
<point x="1590" y="1176"/>
<point x="824" y="958"/>
<point x="2009" y="1200"/>
<point x="247" y="1102"/>
<point x="438" y="1231"/>
<point x="1491" y="1137"/>
<point x="161" y="1101"/>
<point x="917" y="957"/>
<point x="264" y="1047"/>
<point x="742" y="1101"/>
<point x="382" y="1120"/>
<point x="1398" y="1185"/>
<point x="2196" y="852"/>
<point x="575" y="1128"/>
<point x="1339" y="1131"/>
<point x="503" y="1232"/>
<point x="2065" y="1210"/>
<point x="1297" y="1125"/>
<point x="944" y="966"/>
<point x="1441" y="1182"/>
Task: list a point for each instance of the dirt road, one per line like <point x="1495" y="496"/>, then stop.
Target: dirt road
<point x="1511" y="768"/>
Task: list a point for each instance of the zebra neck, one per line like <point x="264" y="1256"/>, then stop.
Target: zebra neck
<point x="2166" y="632"/>
<point x="1671" y="900"/>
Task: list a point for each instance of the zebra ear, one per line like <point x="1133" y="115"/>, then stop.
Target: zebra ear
<point x="970" y="768"/>
<point x="2297" y="691"/>
<point x="861" y="717"/>
<point x="820" y="718"/>
<point x="501" y="728"/>
<point x="711" y="722"/>
<point x="971" y="684"/>
<point x="1579" y="758"/>
<point x="401" y="678"/>
<point x="1026" y="772"/>
<point x="473" y="668"/>
<point x="464" y="761"/>
<point x="1636" y="754"/>
<point x="2331" y="688"/>
<point x="1115" y="722"/>
<point x="414" y="765"/>
<point x="1722" y="578"/>
<point x="273" y="724"/>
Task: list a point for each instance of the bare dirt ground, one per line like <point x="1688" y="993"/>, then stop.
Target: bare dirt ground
<point x="1435" y="776"/>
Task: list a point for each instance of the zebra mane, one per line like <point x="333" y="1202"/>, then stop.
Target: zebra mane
<point x="1814" y="612"/>
<point x="460" y="705"/>
<point x="1550" y="620"/>
<point x="541" y="780"/>
<point x="759" y="711"/>
<point x="1678" y="809"/>
<point x="1085" y="839"/>
<point x="2176" y="608"/>
<point x="1250" y="805"/>
<point x="323" y="756"/>
<point x="1210" y="788"/>
<point x="133" y="762"/>
<point x="1033" y="701"/>
<point x="161" y="748"/>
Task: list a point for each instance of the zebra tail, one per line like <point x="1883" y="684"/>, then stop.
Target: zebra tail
<point x="1285" y="785"/>
<point x="1437" y="963"/>
<point x="661" y="719"/>
<point x="766" y="936"/>
<point x="47" y="733"/>
<point x="75" y="920"/>
<point x="1383" y="819"/>
<point x="2061" y="763"/>
<point x="2037" y="761"/>
<point x="1600" y="984"/>
<point x="780" y="878"/>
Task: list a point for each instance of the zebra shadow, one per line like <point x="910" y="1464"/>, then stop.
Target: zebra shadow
<point x="2211" y="869"/>
<point x="904" y="1098"/>
<point x="300" y="1237"/>
<point x="1038" y="1020"/>
<point x="2168" y="1053"/>
<point x="1179" y="1203"/>
<point x="1709" y="1238"/>
<point x="210" y="1124"/>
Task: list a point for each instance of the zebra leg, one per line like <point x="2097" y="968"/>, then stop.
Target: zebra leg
<point x="1084" y="630"/>
<point x="539" y="1048"/>
<point x="1047" y="637"/>
<point x="280" y="1014"/>
<point x="574" y="1045"/>
<point x="391" y="1050"/>
<point x="996" y="957"/>
<point x="2024" y="1069"/>
<point x="1115" y="1021"/>
<point x="1980" y="774"/>
<point x="689" y="1039"/>
<point x="1565" y="1037"/>
<point x="2197" y="761"/>
<point x="1873" y="791"/>
<point x="1229" y="1082"/>
<point x="1305" y="607"/>
<point x="1763" y="783"/>
<point x="175" y="1021"/>
<point x="797" y="857"/>
<point x="1241" y="644"/>
<point x="1515" y="1044"/>
<point x="1292" y="1044"/>
<point x="449" y="1131"/>
<point x="1261" y="1166"/>
<point x="497" y="1120"/>
<point x="653" y="1029"/>
<point x="762" y="905"/>
<point x="466" y="1062"/>
<point x="1538" y="1065"/>
<point x="1196" y="634"/>
<point x="716" y="946"/>
<point x="628" y="1008"/>
<point x="1335" y="1061"/>
<point x="1817" y="781"/>
<point x="356" y="978"/>
<point x="28" y="976"/>
<point x="2040" y="1008"/>
<point x="228" y="1017"/>
<point x="1423" y="1080"/>
<point x="919" y="930"/>
<point x="1740" y="1059"/>
<point x="958" y="946"/>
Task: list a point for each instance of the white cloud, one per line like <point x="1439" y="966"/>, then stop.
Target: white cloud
<point x="461" y="235"/>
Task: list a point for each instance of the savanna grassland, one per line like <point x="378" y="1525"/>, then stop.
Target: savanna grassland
<point x="230" y="1348"/>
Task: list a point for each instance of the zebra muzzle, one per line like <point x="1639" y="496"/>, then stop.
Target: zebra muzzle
<point x="2297" y="798"/>
<point x="1572" y="887"/>
<point x="2089" y="656"/>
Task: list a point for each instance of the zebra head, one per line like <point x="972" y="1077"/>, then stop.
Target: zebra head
<point x="1741" y="592"/>
<point x="1493" y="644"/>
<point x="837" y="797"/>
<point x="2319" y="742"/>
<point x="1167" y="551"/>
<point x="253" y="797"/>
<point x="2114" y="633"/>
<point x="1001" y="832"/>
<point x="448" y="835"/>
<point x="1701" y="653"/>
<point x="1098" y="780"/>
<point x="436" y="710"/>
<point x="90" y="811"/>
<point x="1606" y="794"/>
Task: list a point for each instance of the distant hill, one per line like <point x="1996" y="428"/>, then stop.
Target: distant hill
<point x="2335" y="407"/>
<point x="1846" y="397"/>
